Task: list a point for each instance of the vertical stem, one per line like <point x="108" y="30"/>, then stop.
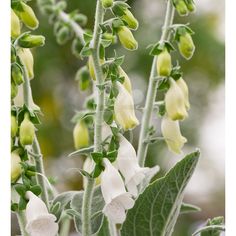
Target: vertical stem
<point x="22" y="222"/>
<point x="152" y="89"/>
<point x="36" y="148"/>
<point x="88" y="193"/>
<point x="65" y="226"/>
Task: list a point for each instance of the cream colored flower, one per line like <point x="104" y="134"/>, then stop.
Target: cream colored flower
<point x="27" y="60"/>
<point x="81" y="135"/>
<point x="126" y="38"/>
<point x="164" y="65"/>
<point x="15" y="25"/>
<point x="127" y="82"/>
<point x="15" y="166"/>
<point x="184" y="87"/>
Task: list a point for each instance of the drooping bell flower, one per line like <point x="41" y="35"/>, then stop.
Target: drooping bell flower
<point x="127" y="164"/>
<point x="15" y="166"/>
<point x="117" y="200"/>
<point x="81" y="135"/>
<point x="124" y="109"/>
<point x="184" y="87"/>
<point x="39" y="222"/>
<point x="164" y="64"/>
<point x="27" y="60"/>
<point x="127" y="82"/>
<point x="15" y="25"/>
<point x="175" y="102"/>
<point x="173" y="137"/>
<point x="129" y="18"/>
<point x="91" y="67"/>
<point x="186" y="46"/>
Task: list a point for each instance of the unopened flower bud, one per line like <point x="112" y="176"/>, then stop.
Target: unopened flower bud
<point x="124" y="109"/>
<point x="15" y="25"/>
<point x="186" y="46"/>
<point x="27" y="16"/>
<point x="17" y="74"/>
<point x="27" y="131"/>
<point x="31" y="41"/>
<point x="14" y="89"/>
<point x="63" y="35"/>
<point x="27" y="60"/>
<point x="91" y="67"/>
<point x="107" y="3"/>
<point x="171" y="133"/>
<point x="15" y="166"/>
<point x="83" y="78"/>
<point x="190" y="5"/>
<point x="126" y="38"/>
<point x="175" y="102"/>
<point x="127" y="82"/>
<point x="14" y="126"/>
<point x="164" y="65"/>
<point x="109" y="36"/>
<point x="181" y="7"/>
<point x="13" y="54"/>
<point x="81" y="135"/>
<point x="130" y="19"/>
<point x="184" y="88"/>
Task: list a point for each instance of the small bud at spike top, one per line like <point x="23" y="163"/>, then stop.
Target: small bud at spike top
<point x="30" y="41"/>
<point x="27" y="16"/>
<point x="175" y="102"/>
<point x="190" y="5"/>
<point x="184" y="87"/>
<point x="15" y="166"/>
<point x="107" y="3"/>
<point x="126" y="38"/>
<point x="181" y="7"/>
<point x="81" y="135"/>
<point x="124" y="109"/>
<point x="27" y="131"/>
<point x="127" y="83"/>
<point x="14" y="126"/>
<point x="131" y="21"/>
<point x="164" y="65"/>
<point x="171" y="132"/>
<point x="27" y="60"/>
<point x="15" y="25"/>
<point x="186" y="46"/>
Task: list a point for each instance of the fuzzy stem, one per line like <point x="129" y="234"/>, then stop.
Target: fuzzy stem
<point x="152" y="89"/>
<point x="88" y="193"/>
<point x="22" y="222"/>
<point x="27" y="93"/>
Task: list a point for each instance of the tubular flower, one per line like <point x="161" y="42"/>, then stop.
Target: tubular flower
<point x="15" y="166"/>
<point x="27" y="16"/>
<point x="39" y="220"/>
<point x="117" y="200"/>
<point x="126" y="38"/>
<point x="171" y="133"/>
<point x="164" y="63"/>
<point x="27" y="131"/>
<point x="27" y="60"/>
<point x="186" y="46"/>
<point x="81" y="135"/>
<point x="15" y="25"/>
<point x="127" y="83"/>
<point x="127" y="164"/>
<point x="184" y="88"/>
<point x="130" y="20"/>
<point x="124" y="109"/>
<point x="175" y="102"/>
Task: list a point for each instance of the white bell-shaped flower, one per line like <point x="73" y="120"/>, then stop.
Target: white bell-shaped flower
<point x="173" y="137"/>
<point x="39" y="221"/>
<point x="117" y="200"/>
<point x="127" y="164"/>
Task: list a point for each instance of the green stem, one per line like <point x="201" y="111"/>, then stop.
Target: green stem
<point x="88" y="193"/>
<point x="36" y="148"/>
<point x="152" y="89"/>
<point x="22" y="222"/>
<point x="65" y="226"/>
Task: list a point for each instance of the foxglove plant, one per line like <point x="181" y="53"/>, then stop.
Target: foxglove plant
<point x="117" y="186"/>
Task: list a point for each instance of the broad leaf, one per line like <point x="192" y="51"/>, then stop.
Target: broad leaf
<point x="156" y="210"/>
<point x="104" y="230"/>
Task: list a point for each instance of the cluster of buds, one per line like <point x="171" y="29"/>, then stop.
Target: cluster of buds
<point x="183" y="7"/>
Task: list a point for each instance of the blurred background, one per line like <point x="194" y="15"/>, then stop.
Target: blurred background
<point x="56" y="92"/>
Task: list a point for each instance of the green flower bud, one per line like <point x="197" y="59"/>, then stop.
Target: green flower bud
<point x="130" y="19"/>
<point x="190" y="5"/>
<point x="15" y="25"/>
<point x="91" y="67"/>
<point x="164" y="63"/>
<point x="63" y="35"/>
<point x="83" y="77"/>
<point x="27" y="16"/>
<point x="181" y="8"/>
<point x="14" y="126"/>
<point x="14" y="90"/>
<point x="17" y="74"/>
<point x="81" y="19"/>
<point x="27" y="60"/>
<point x="13" y="54"/>
<point x="109" y="36"/>
<point x="27" y="131"/>
<point x="186" y="46"/>
<point x="127" y="82"/>
<point x="107" y="3"/>
<point x="15" y="166"/>
<point x="81" y="135"/>
<point x="31" y="41"/>
<point x="126" y="38"/>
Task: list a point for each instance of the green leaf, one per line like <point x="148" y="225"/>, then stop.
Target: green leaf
<point x="104" y="230"/>
<point x="156" y="210"/>
<point x="188" y="208"/>
<point x="96" y="213"/>
<point x="212" y="230"/>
